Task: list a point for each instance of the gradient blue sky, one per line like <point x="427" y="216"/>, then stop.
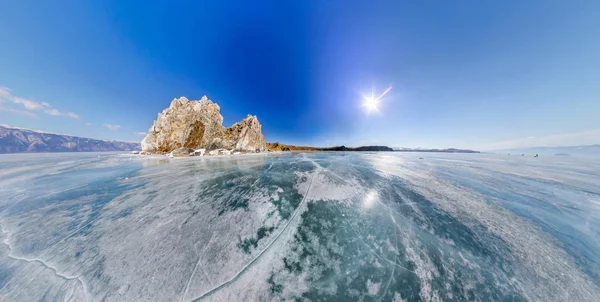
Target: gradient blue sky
<point x="473" y="74"/>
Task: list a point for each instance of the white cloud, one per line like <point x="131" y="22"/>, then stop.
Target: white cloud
<point x="73" y="115"/>
<point x="19" y="112"/>
<point x="28" y="104"/>
<point x="4" y="92"/>
<point x="139" y="133"/>
<point x="53" y="111"/>
<point x="31" y="105"/>
<point x="88" y="124"/>
<point x="112" y="127"/>
<point x="568" y="139"/>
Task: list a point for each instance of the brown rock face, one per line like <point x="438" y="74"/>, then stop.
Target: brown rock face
<point x="249" y="135"/>
<point x="199" y="124"/>
<point x="196" y="135"/>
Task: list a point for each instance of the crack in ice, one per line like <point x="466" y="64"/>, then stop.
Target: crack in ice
<point x="212" y="291"/>
<point x="375" y="253"/>
<point x="44" y="264"/>
<point x="196" y="268"/>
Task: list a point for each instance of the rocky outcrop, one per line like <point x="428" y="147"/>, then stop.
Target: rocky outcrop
<point x="246" y="135"/>
<point x="199" y="124"/>
<point x="185" y="124"/>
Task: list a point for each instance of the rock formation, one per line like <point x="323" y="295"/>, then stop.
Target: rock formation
<point x="199" y="124"/>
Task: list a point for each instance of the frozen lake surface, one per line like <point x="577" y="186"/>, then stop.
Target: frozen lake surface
<point x="305" y="226"/>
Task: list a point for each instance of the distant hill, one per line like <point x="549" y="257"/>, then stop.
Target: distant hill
<point x="361" y="148"/>
<point x="449" y="150"/>
<point x="284" y="147"/>
<point x="585" y="150"/>
<point x="19" y="140"/>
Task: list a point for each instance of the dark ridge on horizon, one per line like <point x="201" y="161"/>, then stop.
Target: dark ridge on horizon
<point x="448" y="150"/>
<point x="361" y="148"/>
<point x="283" y="147"/>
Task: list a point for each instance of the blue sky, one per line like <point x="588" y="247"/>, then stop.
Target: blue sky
<point x="473" y="74"/>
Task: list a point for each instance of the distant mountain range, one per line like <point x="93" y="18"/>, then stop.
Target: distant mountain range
<point x="449" y="150"/>
<point x="586" y="150"/>
<point x="19" y="140"/>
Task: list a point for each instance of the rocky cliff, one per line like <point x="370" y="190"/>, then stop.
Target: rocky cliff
<point x="199" y="124"/>
<point x="18" y="140"/>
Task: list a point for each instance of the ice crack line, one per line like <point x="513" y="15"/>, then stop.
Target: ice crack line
<point x="196" y="267"/>
<point x="212" y="291"/>
<point x="58" y="274"/>
<point x="375" y="253"/>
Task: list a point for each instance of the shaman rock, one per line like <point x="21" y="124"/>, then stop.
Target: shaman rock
<point x="199" y="124"/>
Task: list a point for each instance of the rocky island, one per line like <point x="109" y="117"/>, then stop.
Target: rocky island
<point x="194" y="127"/>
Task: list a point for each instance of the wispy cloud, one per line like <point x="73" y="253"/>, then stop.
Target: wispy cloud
<point x="19" y="112"/>
<point x="88" y="124"/>
<point x="72" y="115"/>
<point x="139" y="133"/>
<point x="112" y="127"/>
<point x="28" y="104"/>
<point x="31" y="105"/>
<point x="56" y="112"/>
<point x="4" y="92"/>
<point x="53" y="111"/>
<point x="568" y="139"/>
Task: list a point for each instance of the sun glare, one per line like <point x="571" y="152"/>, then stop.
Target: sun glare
<point x="371" y="102"/>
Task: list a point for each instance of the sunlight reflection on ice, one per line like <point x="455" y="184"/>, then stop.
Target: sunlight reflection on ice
<point x="370" y="198"/>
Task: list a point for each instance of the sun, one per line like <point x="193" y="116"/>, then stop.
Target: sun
<point x="371" y="102"/>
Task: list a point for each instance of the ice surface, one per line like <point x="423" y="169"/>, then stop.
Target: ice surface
<point x="310" y="226"/>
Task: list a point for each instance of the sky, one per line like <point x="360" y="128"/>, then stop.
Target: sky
<point x="464" y="74"/>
